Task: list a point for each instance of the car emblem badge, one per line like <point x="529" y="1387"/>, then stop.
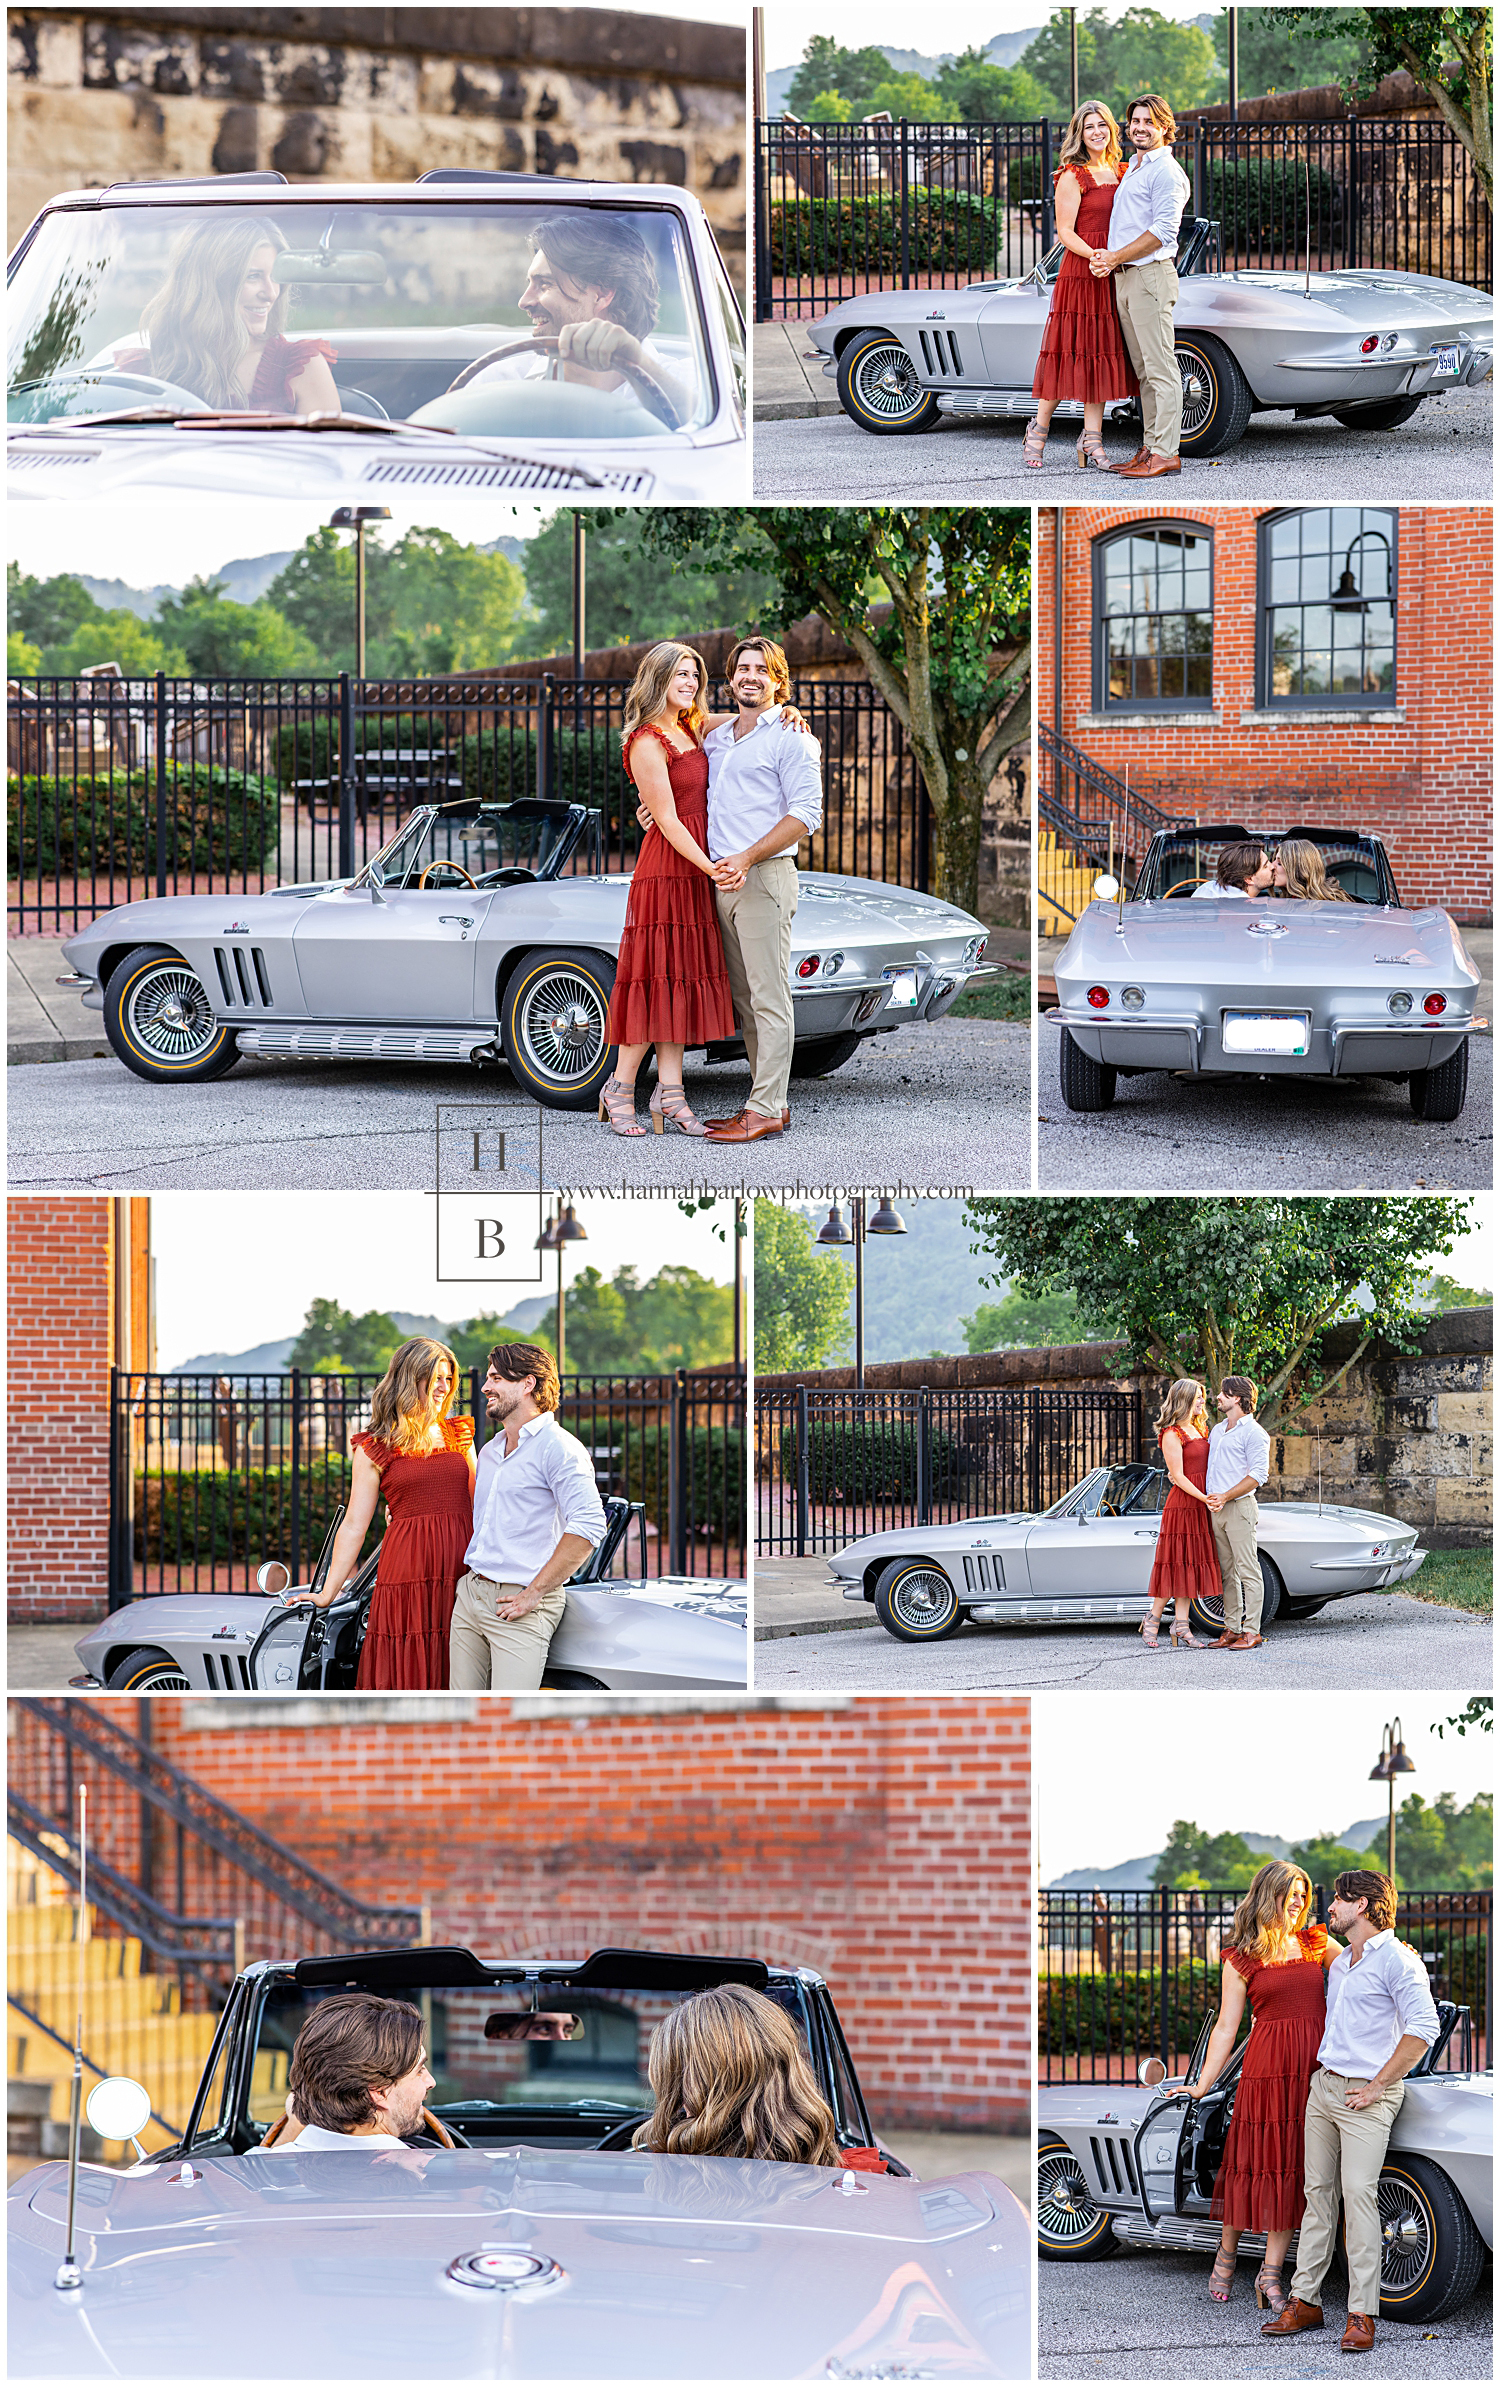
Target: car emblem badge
<point x="505" y="2268"/>
<point x="937" y="316"/>
<point x="236" y="928"/>
<point x="1269" y="928"/>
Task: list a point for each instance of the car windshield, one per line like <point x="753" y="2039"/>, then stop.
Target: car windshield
<point x="1136" y="1490"/>
<point x="1179" y="865"/>
<point x="213" y="308"/>
<point x="452" y="849"/>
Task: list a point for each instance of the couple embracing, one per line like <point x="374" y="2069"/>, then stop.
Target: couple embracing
<point x="1333" y="2033"/>
<point x="1210" y="1524"/>
<point x="725" y="801"/>
<point x="1109" y="334"/>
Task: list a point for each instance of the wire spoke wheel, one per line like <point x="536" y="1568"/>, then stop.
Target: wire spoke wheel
<point x="886" y="384"/>
<point x="169" y="1015"/>
<point x="1197" y="394"/>
<point x="563" y="1025"/>
<point x="922" y="1598"/>
<point x="1065" y="2212"/>
<point x="1406" y="2249"/>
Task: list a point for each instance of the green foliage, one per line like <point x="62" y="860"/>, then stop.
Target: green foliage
<point x="1121" y="2012"/>
<point x="947" y="232"/>
<point x="119" y="637"/>
<point x="22" y="659"/>
<point x="432" y="604"/>
<point x="332" y="1339"/>
<point x="201" y="632"/>
<point x="1323" y="1859"/>
<point x="860" y="1463"/>
<point x="1006" y="998"/>
<point x="634" y="591"/>
<point x="218" y="821"/>
<point x="1267" y="197"/>
<point x="1449" y="51"/>
<point x="829" y="107"/>
<point x="827" y="67"/>
<point x="1025" y="1322"/>
<point x="910" y="96"/>
<point x="801" y="1295"/>
<point x="1119" y="58"/>
<point x="1445" y="1846"/>
<point x="1194" y="1859"/>
<point x="46" y="611"/>
<point x="243" y="1517"/>
<point x="971" y="89"/>
<point x="1442" y="1293"/>
<point x="1275" y="56"/>
<point x="1478" y="1715"/>
<point x="1455" y="1579"/>
<point x="222" y="640"/>
<point x="620" y="1327"/>
<point x="1229" y="1284"/>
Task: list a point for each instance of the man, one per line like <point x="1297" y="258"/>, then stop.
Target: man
<point x="537" y="1515"/>
<point x="1241" y="870"/>
<point x="765" y="794"/>
<point x="592" y="287"/>
<point x="1380" y="2020"/>
<point x="1149" y="201"/>
<point x="1239" y="1460"/>
<point x="359" y="2076"/>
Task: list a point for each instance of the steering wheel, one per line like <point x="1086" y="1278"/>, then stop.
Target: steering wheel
<point x="645" y="384"/>
<point x="447" y="2134"/>
<point x="618" y="2135"/>
<point x="1178" y="885"/>
<point x="467" y="877"/>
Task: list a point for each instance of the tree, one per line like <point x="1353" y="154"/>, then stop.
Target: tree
<point x="222" y="640"/>
<point x="1479" y="1713"/>
<point x="1194" y="1859"/>
<point x="1025" y="1321"/>
<point x="333" y="1338"/>
<point x="21" y="657"/>
<point x="1141" y="50"/>
<point x="635" y="591"/>
<point x="1274" y="56"/>
<point x="951" y="655"/>
<point x="911" y="96"/>
<point x="1448" y="52"/>
<point x="829" y="107"/>
<point x="1442" y="1293"/>
<point x="46" y="611"/>
<point x="973" y="90"/>
<point x="432" y="604"/>
<point x="1229" y="1284"/>
<point x="828" y="67"/>
<point x="1323" y="1858"/>
<point x="116" y="637"/>
<point x="1048" y="58"/>
<point x="801" y="1295"/>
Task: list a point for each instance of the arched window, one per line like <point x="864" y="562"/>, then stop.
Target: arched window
<point x="1327" y="607"/>
<point x="1154" y="618"/>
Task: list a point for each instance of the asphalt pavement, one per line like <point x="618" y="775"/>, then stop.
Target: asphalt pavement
<point x="946" y="1105"/>
<point x="1363" y="1644"/>
<point x="1445" y="451"/>
<point x="1148" y="2315"/>
<point x="1261" y="1135"/>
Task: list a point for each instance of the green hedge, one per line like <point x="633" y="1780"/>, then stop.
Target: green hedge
<point x="1460" y="1971"/>
<point x="868" y="1462"/>
<point x="716" y="1494"/>
<point x="1118" y="2013"/>
<point x="217" y="820"/>
<point x="950" y="232"/>
<point x="1255" y="197"/>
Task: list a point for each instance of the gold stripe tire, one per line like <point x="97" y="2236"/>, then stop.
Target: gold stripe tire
<point x="1070" y="2227"/>
<point x="916" y="1601"/>
<point x="1431" y="2254"/>
<point x="878" y="387"/>
<point x="554" y="1026"/>
<point x="160" y="1021"/>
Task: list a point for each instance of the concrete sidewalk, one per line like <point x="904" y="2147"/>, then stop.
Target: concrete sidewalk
<point x="43" y="1021"/>
<point x="788" y="387"/>
<point x="798" y="1595"/>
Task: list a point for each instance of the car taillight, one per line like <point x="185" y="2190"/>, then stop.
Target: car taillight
<point x="808" y="968"/>
<point x="1368" y="347"/>
<point x="1099" y="997"/>
<point x="1435" y="1004"/>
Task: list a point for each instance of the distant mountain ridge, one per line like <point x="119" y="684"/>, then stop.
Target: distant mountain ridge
<point x="1003" y="50"/>
<point x="271" y="1359"/>
<point x="1136" y="1872"/>
<point x="246" y="579"/>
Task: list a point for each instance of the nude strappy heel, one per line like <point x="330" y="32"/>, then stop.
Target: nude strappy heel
<point x="1031" y="456"/>
<point x="1090" y="451"/>
<point x="617" y="1105"/>
<point x="1221" y="2277"/>
<point x="669" y="1107"/>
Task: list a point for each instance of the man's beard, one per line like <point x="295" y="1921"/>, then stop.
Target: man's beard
<point x="401" y="2120"/>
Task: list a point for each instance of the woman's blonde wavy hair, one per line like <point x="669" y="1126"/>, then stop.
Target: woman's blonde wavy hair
<point x="1306" y="878"/>
<point x="193" y="322"/>
<point x="730" y="2078"/>
<point x="1185" y="1399"/>
<point x="648" y="690"/>
<point x="1258" y="1927"/>
<point x="1073" y="151"/>
<point x="400" y="1410"/>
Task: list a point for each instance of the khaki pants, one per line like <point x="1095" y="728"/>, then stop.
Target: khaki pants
<point x="1145" y="296"/>
<point x="1343" y="2149"/>
<point x="1235" y="1530"/>
<point x="756" y="924"/>
<point x="487" y="1654"/>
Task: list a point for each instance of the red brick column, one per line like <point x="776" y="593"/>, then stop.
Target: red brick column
<point x="61" y="1262"/>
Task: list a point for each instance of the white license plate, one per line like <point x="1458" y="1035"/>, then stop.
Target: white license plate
<point x="1444" y="360"/>
<point x="903" y="991"/>
<point x="1267" y="1032"/>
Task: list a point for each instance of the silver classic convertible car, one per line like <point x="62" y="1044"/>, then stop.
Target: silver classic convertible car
<point x="445" y="948"/>
<point x="1177" y="978"/>
<point x="517" y="2234"/>
<point x="1365" y="347"/>
<point x="1088" y="1560"/>
<point x="1135" y="2166"/>
<point x="438" y="305"/>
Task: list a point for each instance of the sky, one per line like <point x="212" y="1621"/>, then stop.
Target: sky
<point x="235" y="1270"/>
<point x="189" y="541"/>
<point x="1283" y="1762"/>
<point x="952" y="25"/>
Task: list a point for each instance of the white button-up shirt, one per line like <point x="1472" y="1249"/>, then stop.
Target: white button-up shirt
<point x="315" y="2140"/>
<point x="1237" y="1451"/>
<point x="1373" y="2005"/>
<point x="526" y="1499"/>
<point x="756" y="780"/>
<point x="1149" y="197"/>
<point x="1211" y="887"/>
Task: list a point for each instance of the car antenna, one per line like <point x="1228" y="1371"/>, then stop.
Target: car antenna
<point x="68" y="2273"/>
<point x="1318" y="1441"/>
<point x="1124" y="858"/>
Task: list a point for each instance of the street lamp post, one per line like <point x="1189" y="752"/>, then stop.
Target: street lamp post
<point x="555" y="1236"/>
<point x="886" y="1221"/>
<point x="739" y="1281"/>
<point x="1393" y="1761"/>
<point x="355" y="518"/>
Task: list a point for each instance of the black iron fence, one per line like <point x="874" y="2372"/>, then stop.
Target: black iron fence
<point x="833" y="1464"/>
<point x="211" y="1474"/>
<point x="845" y="208"/>
<point x="1123" y="1974"/>
<point x="119" y="789"/>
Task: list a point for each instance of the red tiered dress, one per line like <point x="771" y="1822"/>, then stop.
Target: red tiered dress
<point x="281" y="362"/>
<point x="1187" y="1563"/>
<point x="429" y="1505"/>
<point x="671" y="986"/>
<point x="1083" y="353"/>
<point x="1259" y="2186"/>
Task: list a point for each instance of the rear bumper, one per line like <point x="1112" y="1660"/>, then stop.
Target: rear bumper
<point x="1177" y="1041"/>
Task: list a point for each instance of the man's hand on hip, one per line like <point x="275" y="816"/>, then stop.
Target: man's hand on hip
<point x="511" y="1606"/>
<point x="1360" y="2093"/>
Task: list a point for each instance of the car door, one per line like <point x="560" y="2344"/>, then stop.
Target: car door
<point x="407" y="957"/>
<point x="1010" y="334"/>
<point x="1102" y="1551"/>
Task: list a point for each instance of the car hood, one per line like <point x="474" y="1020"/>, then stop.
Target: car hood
<point x="1395" y="299"/>
<point x="689" y="1595"/>
<point x="337" y="2265"/>
<point x="963" y="1533"/>
<point x="227" y="1616"/>
<point x="1266" y="945"/>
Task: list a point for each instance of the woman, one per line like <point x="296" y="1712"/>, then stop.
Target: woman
<point x="730" y="2078"/>
<point x="216" y="327"/>
<point x="1083" y="354"/>
<point x="671" y="987"/>
<point x="1186" y="1565"/>
<point x="421" y="1461"/>
<point x="1277" y="1960"/>
<point x="1298" y="871"/>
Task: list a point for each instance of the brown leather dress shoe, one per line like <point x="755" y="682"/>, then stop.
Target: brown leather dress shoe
<point x="1227" y="1639"/>
<point x="786" y="1119"/>
<point x="1359" y="2334"/>
<point x="1150" y="468"/>
<point x="747" y="1129"/>
<point x="1248" y="1641"/>
<point x="1138" y="458"/>
<point x="1294" y="2317"/>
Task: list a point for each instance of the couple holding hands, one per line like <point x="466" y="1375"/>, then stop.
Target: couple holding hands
<point x="1209" y="1526"/>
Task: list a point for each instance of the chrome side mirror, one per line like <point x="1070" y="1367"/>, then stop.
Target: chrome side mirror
<point x="272" y="1577"/>
<point x="117" y="2108"/>
<point x="1151" y="2072"/>
<point x="1105" y="888"/>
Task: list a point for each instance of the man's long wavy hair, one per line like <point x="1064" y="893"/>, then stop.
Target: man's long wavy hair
<point x="1074" y="151"/>
<point x="193" y="322"/>
<point x="1306" y="878"/>
<point x="401" y="1411"/>
<point x="730" y="2078"/>
<point x="1186" y="1400"/>
<point x="1258" y="1926"/>
<point x="648" y="690"/>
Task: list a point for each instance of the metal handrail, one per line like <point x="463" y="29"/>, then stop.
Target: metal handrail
<point x="171" y="1936"/>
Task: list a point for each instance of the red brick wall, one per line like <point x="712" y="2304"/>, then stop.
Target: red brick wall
<point x="1423" y="784"/>
<point x="885" y="1842"/>
<point x="60" y="1339"/>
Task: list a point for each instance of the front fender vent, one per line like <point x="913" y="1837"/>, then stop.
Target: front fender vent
<point x="941" y="354"/>
<point x="243" y="979"/>
<point x="1114" y="2166"/>
<point x="982" y="1573"/>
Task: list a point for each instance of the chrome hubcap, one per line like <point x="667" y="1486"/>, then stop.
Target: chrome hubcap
<point x="923" y="1598"/>
<point x="1405" y="2247"/>
<point x="1064" y="2211"/>
<point x="170" y="1016"/>
<point x="1197" y="395"/>
<point x="563" y="1028"/>
<point x="886" y="385"/>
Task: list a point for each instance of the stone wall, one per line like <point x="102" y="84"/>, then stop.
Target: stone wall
<point x="1406" y="1434"/>
<point x="376" y="95"/>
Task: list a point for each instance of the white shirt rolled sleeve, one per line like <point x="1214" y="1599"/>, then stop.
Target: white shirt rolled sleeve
<point x="757" y="780"/>
<point x="1374" y="2005"/>
<point x="525" y="1500"/>
<point x="1235" y="1452"/>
